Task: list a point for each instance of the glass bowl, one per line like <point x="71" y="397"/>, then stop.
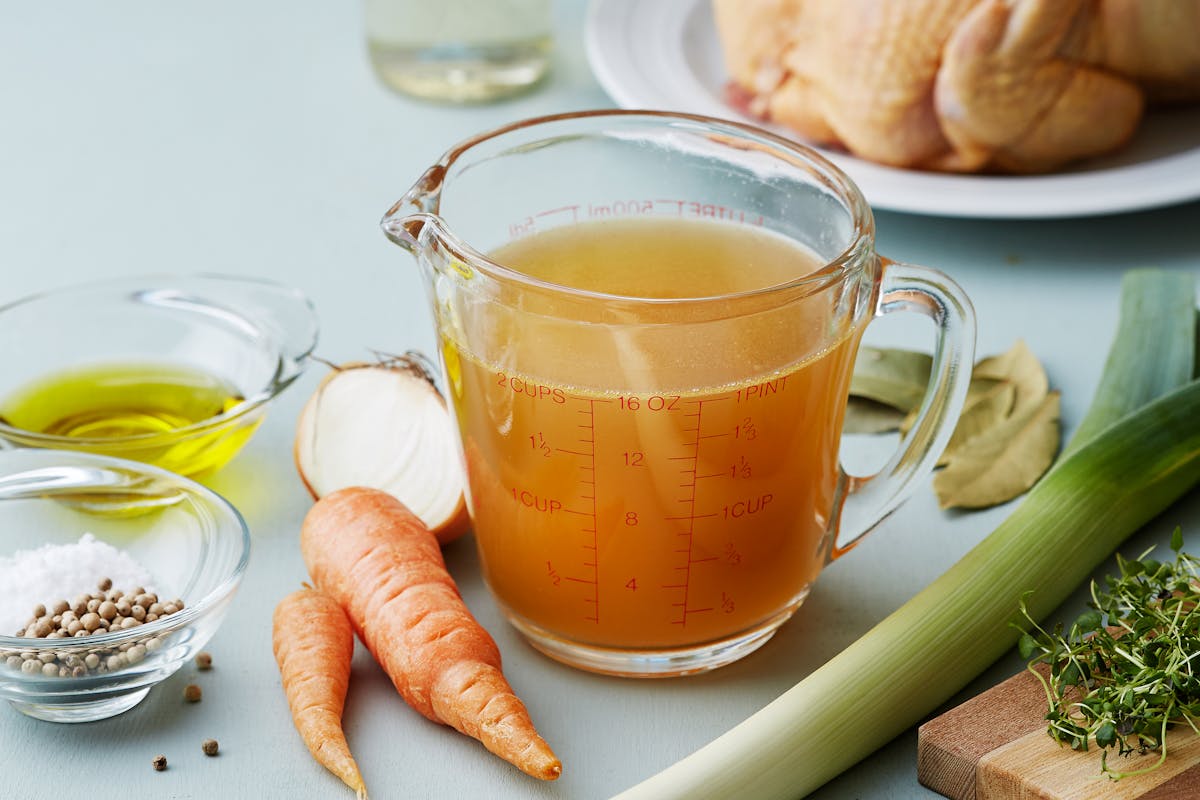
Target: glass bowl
<point x="225" y="346"/>
<point x="192" y="543"/>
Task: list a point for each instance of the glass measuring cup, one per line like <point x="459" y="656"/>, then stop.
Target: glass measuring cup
<point x="654" y="481"/>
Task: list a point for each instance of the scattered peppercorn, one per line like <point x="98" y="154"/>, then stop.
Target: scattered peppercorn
<point x="203" y="661"/>
<point x="210" y="747"/>
<point x="160" y="763"/>
<point x="192" y="693"/>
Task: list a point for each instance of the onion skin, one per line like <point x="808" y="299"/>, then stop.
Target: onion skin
<point x="455" y="527"/>
<point x="445" y="531"/>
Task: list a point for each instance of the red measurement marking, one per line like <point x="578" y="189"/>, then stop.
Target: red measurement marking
<point x="691" y="517"/>
<point x="764" y="389"/>
<point x="536" y="502"/>
<point x="550" y="212"/>
<point x="675" y="206"/>
<point x="591" y="543"/>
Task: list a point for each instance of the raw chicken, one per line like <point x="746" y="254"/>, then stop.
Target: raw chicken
<point x="962" y="85"/>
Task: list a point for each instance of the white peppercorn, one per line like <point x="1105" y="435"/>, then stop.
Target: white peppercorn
<point x="107" y="610"/>
<point x="91" y="660"/>
<point x="31" y="666"/>
<point x="50" y="670"/>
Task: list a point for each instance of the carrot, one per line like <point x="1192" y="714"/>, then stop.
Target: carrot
<point x="383" y="566"/>
<point x="313" y="645"/>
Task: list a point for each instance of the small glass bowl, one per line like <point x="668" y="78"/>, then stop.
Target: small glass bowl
<point x="251" y="334"/>
<point x="191" y="541"/>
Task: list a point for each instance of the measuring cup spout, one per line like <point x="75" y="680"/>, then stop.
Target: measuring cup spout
<point x="404" y="221"/>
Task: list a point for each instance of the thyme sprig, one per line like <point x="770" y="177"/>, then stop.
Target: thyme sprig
<point x="1128" y="669"/>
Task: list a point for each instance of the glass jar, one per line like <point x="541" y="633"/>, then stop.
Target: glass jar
<point x="459" y="50"/>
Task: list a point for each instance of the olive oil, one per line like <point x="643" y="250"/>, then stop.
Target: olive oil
<point x="140" y="410"/>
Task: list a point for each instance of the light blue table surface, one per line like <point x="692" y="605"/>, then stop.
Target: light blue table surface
<point x="253" y="138"/>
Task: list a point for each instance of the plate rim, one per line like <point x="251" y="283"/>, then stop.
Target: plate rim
<point x="1116" y="190"/>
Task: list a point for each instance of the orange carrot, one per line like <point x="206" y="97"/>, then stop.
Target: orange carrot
<point x="313" y="645"/>
<point x="379" y="561"/>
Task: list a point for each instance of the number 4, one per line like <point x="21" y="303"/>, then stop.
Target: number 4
<point x="632" y="585"/>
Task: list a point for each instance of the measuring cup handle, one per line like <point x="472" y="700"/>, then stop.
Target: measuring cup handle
<point x="904" y="287"/>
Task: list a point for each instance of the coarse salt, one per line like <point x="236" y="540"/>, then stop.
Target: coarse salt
<point x="61" y="572"/>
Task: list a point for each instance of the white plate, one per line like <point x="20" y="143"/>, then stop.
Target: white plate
<point x="664" y="54"/>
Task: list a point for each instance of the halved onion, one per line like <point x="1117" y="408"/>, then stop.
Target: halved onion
<point x="384" y="426"/>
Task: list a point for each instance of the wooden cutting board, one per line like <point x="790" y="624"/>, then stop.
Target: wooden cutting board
<point x="995" y="747"/>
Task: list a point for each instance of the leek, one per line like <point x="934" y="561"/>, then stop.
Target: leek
<point x="1158" y="316"/>
<point x="933" y="645"/>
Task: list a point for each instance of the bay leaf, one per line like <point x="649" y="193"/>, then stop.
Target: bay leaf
<point x="1003" y="462"/>
<point x="985" y="409"/>
<point x="896" y="378"/>
<point x="976" y="391"/>
<point x="870" y="417"/>
<point x="1019" y="366"/>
